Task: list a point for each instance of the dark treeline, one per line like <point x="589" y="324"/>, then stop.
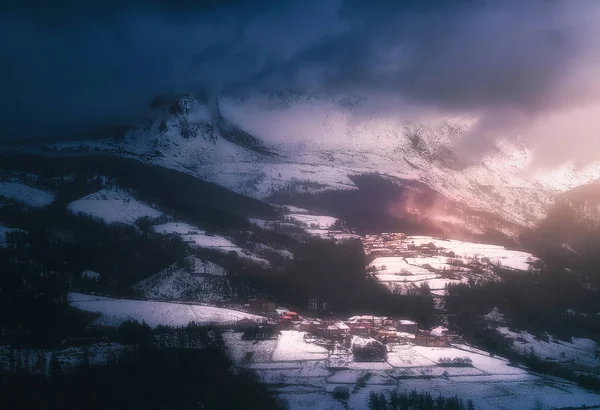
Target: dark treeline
<point x="143" y="376"/>
<point x="335" y="273"/>
<point x="54" y="240"/>
<point x="416" y="401"/>
<point x="539" y="303"/>
<point x="191" y="198"/>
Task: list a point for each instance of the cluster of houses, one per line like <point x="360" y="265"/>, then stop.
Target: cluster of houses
<point x="393" y="244"/>
<point x="383" y="329"/>
<point x="385" y="244"/>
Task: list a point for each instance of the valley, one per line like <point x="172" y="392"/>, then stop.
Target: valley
<point x="178" y="235"/>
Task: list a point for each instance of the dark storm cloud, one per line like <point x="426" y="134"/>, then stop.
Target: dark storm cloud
<point x="67" y="64"/>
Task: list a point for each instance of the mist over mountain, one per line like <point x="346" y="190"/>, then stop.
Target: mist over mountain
<point x="522" y="70"/>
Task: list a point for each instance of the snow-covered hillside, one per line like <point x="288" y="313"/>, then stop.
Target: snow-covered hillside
<point x="116" y="311"/>
<point x="113" y="206"/>
<point x="265" y="144"/>
<point x="25" y="194"/>
<point x="401" y="261"/>
<point x="579" y="353"/>
<point x="193" y="279"/>
<point x="202" y="239"/>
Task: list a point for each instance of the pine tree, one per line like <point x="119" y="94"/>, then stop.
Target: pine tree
<point x="55" y="367"/>
<point x="85" y="357"/>
<point x="394" y="400"/>
<point x="373" y="401"/>
<point x="383" y="405"/>
<point x="40" y="363"/>
<point x="19" y="365"/>
<point x="11" y="360"/>
<point x="26" y="361"/>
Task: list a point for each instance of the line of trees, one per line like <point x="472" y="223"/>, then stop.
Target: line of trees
<point x="144" y="376"/>
<point x="416" y="401"/>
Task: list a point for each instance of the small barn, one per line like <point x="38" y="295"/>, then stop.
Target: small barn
<point x="406" y="326"/>
<point x="262" y="305"/>
<point x="425" y="338"/>
<point x="333" y="330"/>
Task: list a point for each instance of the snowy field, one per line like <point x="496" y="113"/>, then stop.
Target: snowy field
<point x="113" y="207"/>
<point x="202" y="239"/>
<point x="469" y="250"/>
<point x="318" y="221"/>
<point x="400" y="271"/>
<point x="291" y="347"/>
<point x="398" y="265"/>
<point x="25" y="194"/>
<point x="448" y="262"/>
<point x="308" y="374"/>
<point x="115" y="311"/>
<point x="580" y="353"/>
<point x="198" y="236"/>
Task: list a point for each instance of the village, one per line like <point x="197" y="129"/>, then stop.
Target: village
<point x="367" y="337"/>
<point x="334" y="362"/>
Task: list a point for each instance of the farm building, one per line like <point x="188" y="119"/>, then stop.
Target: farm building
<point x="369" y="319"/>
<point x="309" y="325"/>
<point x="426" y="338"/>
<point x="333" y="329"/>
<point x="407" y="326"/>
<point x="359" y="329"/>
<point x="262" y="305"/>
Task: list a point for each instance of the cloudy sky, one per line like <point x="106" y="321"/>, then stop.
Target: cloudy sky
<point x="527" y="69"/>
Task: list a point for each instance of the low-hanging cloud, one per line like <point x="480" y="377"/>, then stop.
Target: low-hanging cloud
<point x="517" y="66"/>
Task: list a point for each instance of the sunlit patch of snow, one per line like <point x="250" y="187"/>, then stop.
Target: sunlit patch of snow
<point x="498" y="254"/>
<point x="291" y="346"/>
<point x="318" y="221"/>
<point x="396" y="271"/>
<point x="397" y="265"/>
<point x="25" y="194"/>
<point x="113" y="207"/>
<point x="116" y="311"/>
<point x="437" y="262"/>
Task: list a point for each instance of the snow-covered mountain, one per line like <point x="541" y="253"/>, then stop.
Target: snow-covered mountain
<point x="301" y="143"/>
